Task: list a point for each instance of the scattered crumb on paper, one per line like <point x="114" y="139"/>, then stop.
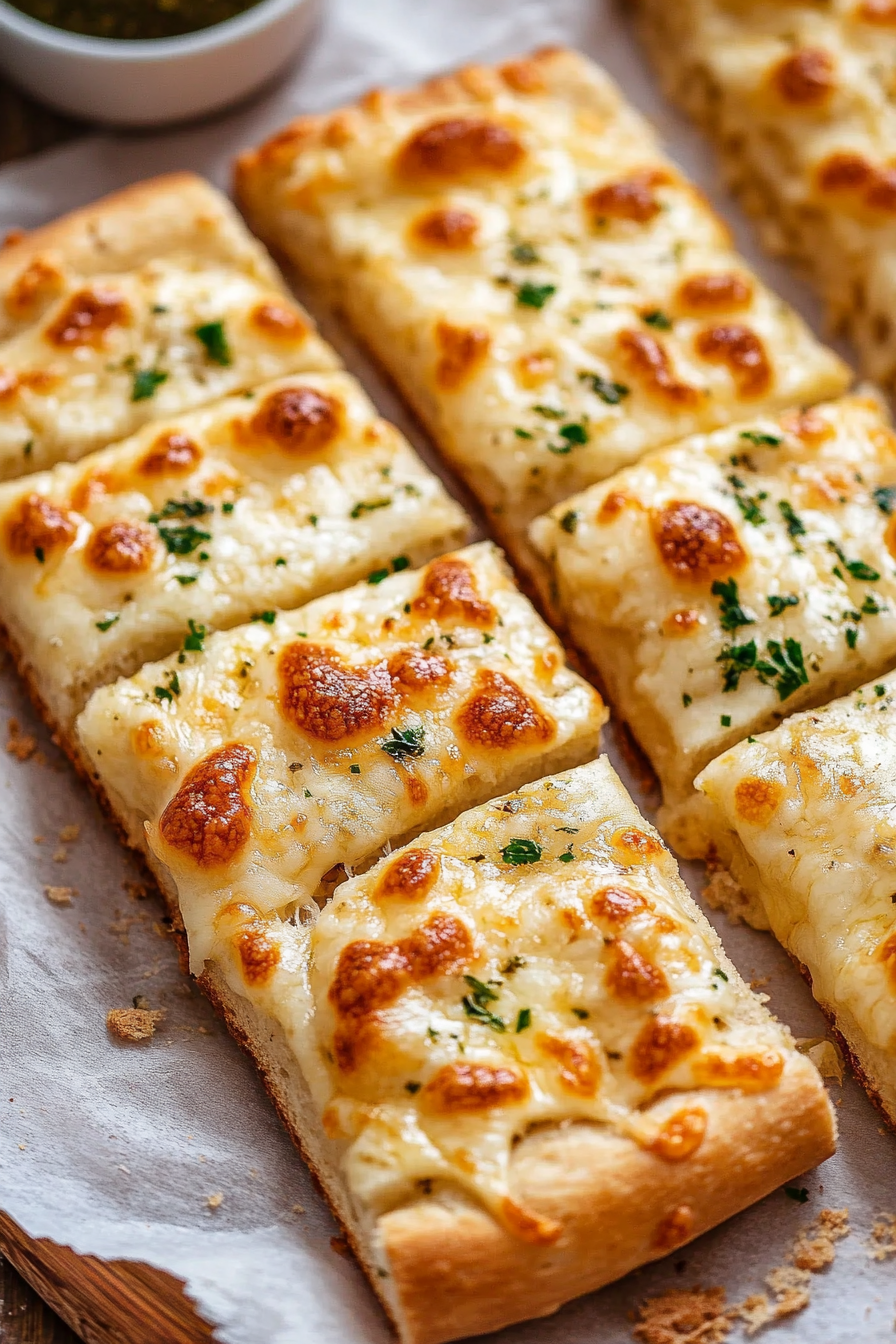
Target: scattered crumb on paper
<point x="60" y="895"/>
<point x="216" y="1200"/>
<point x="340" y="1246"/>
<point x="21" y="745"/>
<point x="684" y="1316"/>
<point x="69" y="834"/>
<point x="133" y="1024"/>
<point x="883" y="1237"/>
<point x="814" y="1247"/>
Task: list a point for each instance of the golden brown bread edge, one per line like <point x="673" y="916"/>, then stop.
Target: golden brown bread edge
<point x="174" y="214"/>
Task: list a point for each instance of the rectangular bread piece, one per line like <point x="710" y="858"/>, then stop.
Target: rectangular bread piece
<point x="801" y="820"/>
<point x="262" y="501"/>
<point x="516" y="1056"/>
<point x="729" y="580"/>
<point x="142" y="306"/>
<point x="350" y="723"/>
<point x="548" y="291"/>
<point x="799" y="99"/>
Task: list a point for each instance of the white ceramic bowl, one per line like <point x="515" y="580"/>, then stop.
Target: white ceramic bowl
<point x="150" y="83"/>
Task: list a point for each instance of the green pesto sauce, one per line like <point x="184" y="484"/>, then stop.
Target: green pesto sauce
<point x="132" y="19"/>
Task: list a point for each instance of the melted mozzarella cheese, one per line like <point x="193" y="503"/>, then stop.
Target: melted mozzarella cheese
<point x="732" y="579"/>
<point x="551" y="294"/>
<point x="262" y="501"/>
<point x="117" y="351"/>
<point x="286" y="749"/>
<point x="805" y="817"/>
<point x="800" y="98"/>
<point x="537" y="961"/>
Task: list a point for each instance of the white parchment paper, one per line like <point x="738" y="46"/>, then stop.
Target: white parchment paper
<point x="113" y="1149"/>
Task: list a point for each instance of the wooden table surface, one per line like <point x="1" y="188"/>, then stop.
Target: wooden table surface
<point x="26" y="127"/>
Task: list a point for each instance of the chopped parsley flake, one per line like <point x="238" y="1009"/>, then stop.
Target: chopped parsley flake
<point x="785" y="668"/>
<point x="182" y="508"/>
<point x="721" y="974"/>
<point x="871" y="607"/>
<point x="227" y="506"/>
<point x="269" y="617"/>
<point x="39" y="554"/>
<point x="761" y="438"/>
<point x="28" y="449"/>
<point x="476" y="1003"/>
<point x="524" y="434"/>
<point x="185" y="579"/>
<point x="581" y="1013"/>
<point x="365" y="506"/>
<point x="524" y="254"/>
<point x="851" y="636"/>
<point x="521" y="851"/>
<point x="794" y="524"/>
<point x="687" y="700"/>
<point x="523" y="1019"/>
<point x="404" y="742"/>
<point x="514" y="963"/>
<point x="412" y="1088"/>
<point x="549" y="412"/>
<point x="575" y="435"/>
<point x="570" y="521"/>
<point x="731" y="614"/>
<point x="736" y="659"/>
<point x="378" y="575"/>
<point x="797" y="1193"/>
<point x="725" y="720"/>
<point x="354" y="769"/>
<point x="183" y="538"/>
<point x="880" y="690"/>
<point x="308" y="793"/>
<point x="857" y="568"/>
<point x="779" y="602"/>
<point x="534" y="296"/>
<point x="193" y="642"/>
<point x="214" y="338"/>
<point x="608" y="391"/>
<point x="567" y="856"/>
<point x="400" y="562"/>
<point x="108" y="623"/>
<point x="748" y="504"/>
<point x="657" y="318"/>
<point x="280" y="562"/>
<point x="145" y="383"/>
<point x="884" y="497"/>
<point x="171" y="690"/>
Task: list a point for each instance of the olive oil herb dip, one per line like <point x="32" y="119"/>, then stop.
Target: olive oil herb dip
<point x="132" y="19"/>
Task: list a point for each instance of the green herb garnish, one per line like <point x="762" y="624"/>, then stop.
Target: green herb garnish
<point x="523" y="1019"/>
<point x="365" y="506"/>
<point x="404" y="742"/>
<point x="534" y="296"/>
<point x="731" y="614"/>
<point x="748" y="504"/>
<point x="794" y="524"/>
<point x="657" y="318"/>
<point x="785" y="667"/>
<point x="737" y="659"/>
<point x="193" y="643"/>
<point x="884" y="497"/>
<point x="608" y="391"/>
<point x="779" y="602"/>
<point x="521" y="851"/>
<point x="182" y="539"/>
<point x="108" y="623"/>
<point x="269" y="617"/>
<point x="570" y="521"/>
<point x="214" y="338"/>
<point x="524" y="254"/>
<point x="145" y="383"/>
<point x="760" y="438"/>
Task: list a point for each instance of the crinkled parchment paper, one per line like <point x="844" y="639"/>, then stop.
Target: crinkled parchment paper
<point x="115" y="1149"/>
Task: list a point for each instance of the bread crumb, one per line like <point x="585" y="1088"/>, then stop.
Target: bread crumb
<point x="684" y="1316"/>
<point x="133" y="1024"/>
<point x="61" y="855"/>
<point x="760" y="981"/>
<point x="340" y="1246"/>
<point x="39" y="839"/>
<point x="137" y="891"/>
<point x="883" y="1237"/>
<point x="21" y="745"/>
<point x="69" y="834"/>
<point x="216" y="1200"/>
<point x="60" y="895"/>
<point x="814" y="1247"/>
<point x="790" y="1287"/>
<point x="298" y="1208"/>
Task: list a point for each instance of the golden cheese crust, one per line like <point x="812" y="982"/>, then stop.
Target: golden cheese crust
<point x="549" y="292"/>
<point x="263" y="501"/>
<point x="798" y="98"/>
<point x="765" y="579"/>
<point x="140" y="306"/>
<point x="801" y="817"/>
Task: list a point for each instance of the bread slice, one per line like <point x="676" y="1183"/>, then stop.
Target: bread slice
<point x="548" y="291"/>
<point x="514" y="1053"/>
<point x="798" y="98"/>
<point x="262" y="501"/>
<point x="140" y="307"/>
<point x="731" y="579"/>
<point x="801" y="819"/>
<point x="352" y="722"/>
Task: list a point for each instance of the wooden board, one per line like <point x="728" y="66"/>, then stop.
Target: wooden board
<point x="103" y="1301"/>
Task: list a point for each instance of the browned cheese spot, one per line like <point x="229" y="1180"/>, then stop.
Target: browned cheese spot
<point x="535" y="368"/>
<point x="659" y="1046"/>
<point x="756" y="800"/>
<point x="617" y="904"/>
<point x="448" y="592"/>
<point x="881" y="12"/>
<point x="209" y="819"/>
<point x="279" y="320"/>
<point x="258" y="951"/>
<point x="330" y="700"/>
<point x="673" y="1230"/>
<point x="649" y="360"/>
<point x="457" y="149"/>
<point x="459" y="1089"/>
<point x="37" y="524"/>
<point x="844" y="170"/>
<point x="806" y="78"/>
<point x="172" y="454"/>
<point x="680" y="624"/>
<point x="461" y="351"/>
<point x="413" y="671"/>
<point x="529" y="1226"/>
<point x="751" y="1073"/>
<point x="411" y="875"/>
<point x="681" y="1135"/>
<point x="723" y="292"/>
<point x="742" y="353"/>
<point x="809" y="426"/>
<point x="634" y="846"/>
<point x="441" y="946"/>
<point x="615" y="503"/>
<point x="523" y="76"/>
<point x="148" y="739"/>
<point x="632" y="198"/>
<point x="32" y="289"/>
<point x="121" y="547"/>
<point x="9" y="385"/>
<point x="578" y="1069"/>
<point x="87" y="316"/>
<point x="886" y="953"/>
<point x="446" y="229"/>
<point x="299" y="419"/>
<point x="696" y="543"/>
<point x="631" y="977"/>
<point x="499" y="716"/>
<point x="93" y="485"/>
